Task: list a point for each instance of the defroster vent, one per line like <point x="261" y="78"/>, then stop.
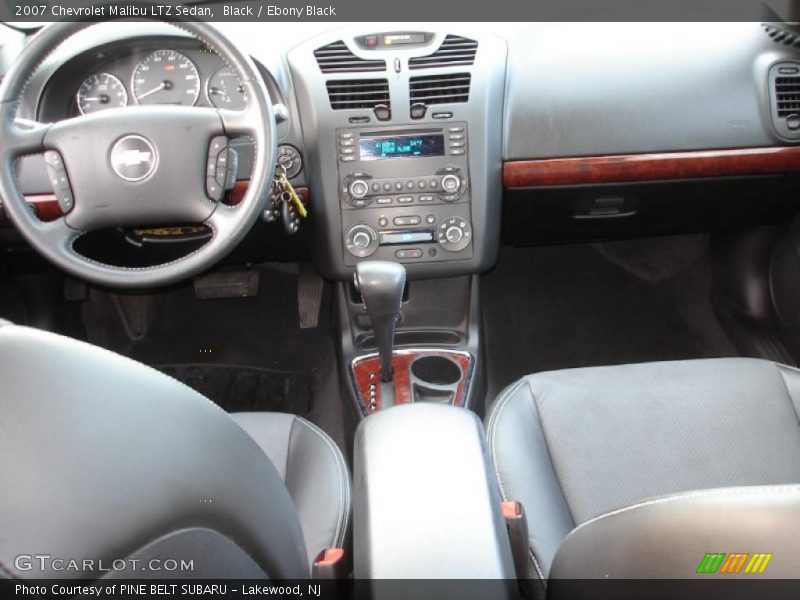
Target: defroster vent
<point x="455" y="50"/>
<point x="337" y="58"/>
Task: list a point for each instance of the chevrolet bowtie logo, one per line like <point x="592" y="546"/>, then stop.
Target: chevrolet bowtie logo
<point x="133" y="158"/>
<point x="130" y="158"/>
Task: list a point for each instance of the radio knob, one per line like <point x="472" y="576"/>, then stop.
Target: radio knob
<point x="361" y="240"/>
<point x="359" y="188"/>
<point x="451" y="183"/>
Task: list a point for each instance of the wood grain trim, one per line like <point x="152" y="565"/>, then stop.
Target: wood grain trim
<point x="649" y="167"/>
<point x="366" y="373"/>
<point x="45" y="205"/>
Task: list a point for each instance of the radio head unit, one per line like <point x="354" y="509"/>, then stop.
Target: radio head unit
<point x="414" y="145"/>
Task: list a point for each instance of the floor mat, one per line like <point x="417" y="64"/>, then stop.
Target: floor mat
<point x="559" y="307"/>
<point x="240" y="389"/>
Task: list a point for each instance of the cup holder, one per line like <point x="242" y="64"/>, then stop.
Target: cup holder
<point x="436" y="370"/>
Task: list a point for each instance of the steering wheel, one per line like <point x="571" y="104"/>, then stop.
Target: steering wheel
<point x="136" y="166"/>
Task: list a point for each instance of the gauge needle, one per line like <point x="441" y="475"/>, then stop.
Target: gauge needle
<point x="153" y="91"/>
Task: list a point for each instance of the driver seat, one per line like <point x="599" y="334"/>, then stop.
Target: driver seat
<point x="103" y="459"/>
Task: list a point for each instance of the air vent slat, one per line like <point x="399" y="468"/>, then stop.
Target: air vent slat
<point x="358" y="93"/>
<point x="440" y="89"/>
<point x="455" y="50"/>
<point x="787" y="96"/>
<point x="337" y="58"/>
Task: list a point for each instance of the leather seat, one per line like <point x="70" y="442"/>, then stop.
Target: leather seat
<point x="587" y="450"/>
<point x="103" y="459"/>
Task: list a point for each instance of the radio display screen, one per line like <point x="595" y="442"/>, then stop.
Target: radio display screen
<point x="401" y="146"/>
<point x="412" y="236"/>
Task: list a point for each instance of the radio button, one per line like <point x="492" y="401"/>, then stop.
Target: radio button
<point x="456" y="129"/>
<point x="398" y="185"/>
<point x="383" y="222"/>
<point x="405" y="199"/>
<point x="426" y="198"/>
<point x="346" y="135"/>
<point x="387" y="186"/>
<point x="376" y="187"/>
<point x="410" y="185"/>
<point x="456" y="144"/>
<point x="430" y="219"/>
<point x="456" y="136"/>
<point x="346" y="150"/>
<point x="409" y="253"/>
<point x="433" y="183"/>
<point x="346" y="143"/>
<point x="384" y="201"/>
<point x="401" y="221"/>
<point x="346" y="157"/>
<point x="457" y="151"/>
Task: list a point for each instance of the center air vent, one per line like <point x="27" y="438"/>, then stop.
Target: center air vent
<point x="337" y="58"/>
<point x="455" y="50"/>
<point x="358" y="93"/>
<point x="440" y="89"/>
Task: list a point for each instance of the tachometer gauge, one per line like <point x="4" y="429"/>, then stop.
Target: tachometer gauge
<point x="100" y="91"/>
<point x="166" y="77"/>
<point x="225" y="90"/>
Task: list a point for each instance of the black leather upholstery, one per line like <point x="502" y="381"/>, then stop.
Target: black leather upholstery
<point x="103" y="458"/>
<point x="314" y="471"/>
<point x="576" y="444"/>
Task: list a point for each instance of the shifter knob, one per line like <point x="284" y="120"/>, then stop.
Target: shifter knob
<point x="381" y="284"/>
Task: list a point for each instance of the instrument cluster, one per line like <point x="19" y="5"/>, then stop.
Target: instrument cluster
<point x="163" y="75"/>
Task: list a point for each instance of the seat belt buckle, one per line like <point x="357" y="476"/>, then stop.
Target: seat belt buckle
<point x="329" y="565"/>
<point x="517" y="526"/>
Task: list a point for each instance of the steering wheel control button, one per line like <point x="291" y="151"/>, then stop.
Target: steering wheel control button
<point x="133" y="158"/>
<point x="454" y="234"/>
<point x="59" y="180"/>
<point x="222" y="168"/>
<point x="361" y="240"/>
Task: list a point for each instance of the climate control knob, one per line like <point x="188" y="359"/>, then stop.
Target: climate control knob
<point x="359" y="188"/>
<point x="451" y="183"/>
<point x="361" y="240"/>
<point x="454" y="234"/>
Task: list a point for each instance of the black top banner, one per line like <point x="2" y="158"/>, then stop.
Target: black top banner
<point x="26" y="11"/>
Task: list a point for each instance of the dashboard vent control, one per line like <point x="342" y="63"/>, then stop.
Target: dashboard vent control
<point x="455" y="50"/>
<point x="439" y="89"/>
<point x="348" y="94"/>
<point x="337" y="58"/>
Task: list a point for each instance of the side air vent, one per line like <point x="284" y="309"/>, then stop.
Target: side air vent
<point x="784" y="87"/>
<point x="358" y="93"/>
<point x="787" y="95"/>
<point x="782" y="36"/>
<point x="337" y="58"/>
<point x="455" y="50"/>
<point x="439" y="89"/>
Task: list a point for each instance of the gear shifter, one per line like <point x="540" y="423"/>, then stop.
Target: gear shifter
<point x="381" y="285"/>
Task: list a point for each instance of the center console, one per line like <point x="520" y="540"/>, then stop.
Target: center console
<point x="403" y="136"/>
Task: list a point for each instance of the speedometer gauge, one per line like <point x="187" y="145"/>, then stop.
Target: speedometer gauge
<point x="100" y="91"/>
<point x="166" y="77"/>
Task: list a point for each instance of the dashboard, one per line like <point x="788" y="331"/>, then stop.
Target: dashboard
<point x="432" y="145"/>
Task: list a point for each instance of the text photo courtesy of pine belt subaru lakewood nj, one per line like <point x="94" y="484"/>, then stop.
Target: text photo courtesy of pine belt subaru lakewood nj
<point x="310" y="300"/>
